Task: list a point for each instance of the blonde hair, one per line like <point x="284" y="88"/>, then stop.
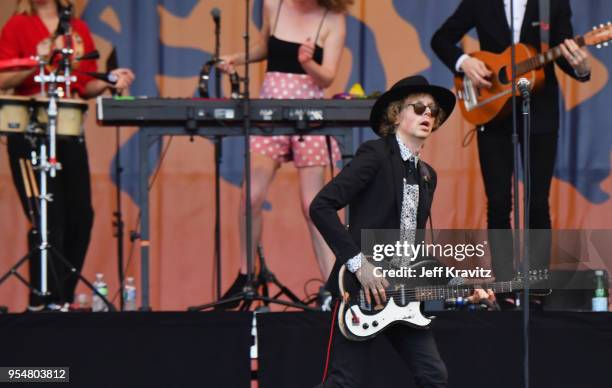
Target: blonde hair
<point x="336" y="5"/>
<point x="388" y="124"/>
<point x="25" y="6"/>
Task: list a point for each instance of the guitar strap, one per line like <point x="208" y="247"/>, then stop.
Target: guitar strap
<point x="426" y="180"/>
<point x="544" y="6"/>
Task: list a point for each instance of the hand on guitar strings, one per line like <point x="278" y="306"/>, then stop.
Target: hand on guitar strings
<point x="578" y="57"/>
<point x="372" y="285"/>
<point x="477" y="72"/>
<point x="480" y="295"/>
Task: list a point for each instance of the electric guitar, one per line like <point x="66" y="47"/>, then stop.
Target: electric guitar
<point x="481" y="105"/>
<point x="359" y="321"/>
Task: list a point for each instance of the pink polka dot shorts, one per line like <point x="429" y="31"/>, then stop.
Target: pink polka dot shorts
<point x="305" y="151"/>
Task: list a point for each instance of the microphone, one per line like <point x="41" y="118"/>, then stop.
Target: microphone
<point x="65" y="14"/>
<point x="216" y="14"/>
<point x="112" y="64"/>
<point x="95" y="54"/>
<point x="523" y="85"/>
<point x="106" y="77"/>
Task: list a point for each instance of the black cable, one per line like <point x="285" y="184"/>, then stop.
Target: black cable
<point x="469" y="136"/>
<point x="309" y="297"/>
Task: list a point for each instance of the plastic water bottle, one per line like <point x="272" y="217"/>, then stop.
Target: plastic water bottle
<point x="129" y="295"/>
<point x="97" y="303"/>
<point x="600" y="297"/>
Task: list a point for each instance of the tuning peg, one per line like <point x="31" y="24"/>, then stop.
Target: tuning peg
<point x="605" y="44"/>
<point x="601" y="26"/>
<point x="594" y="28"/>
<point x="598" y="46"/>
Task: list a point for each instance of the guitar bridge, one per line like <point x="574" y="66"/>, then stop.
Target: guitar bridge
<point x="468" y="94"/>
<point x="355" y="319"/>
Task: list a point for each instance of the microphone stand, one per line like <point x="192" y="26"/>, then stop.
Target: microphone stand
<point x="118" y="216"/>
<point x="516" y="240"/>
<point x="111" y="64"/>
<point x="218" y="155"/>
<point x="526" y="106"/>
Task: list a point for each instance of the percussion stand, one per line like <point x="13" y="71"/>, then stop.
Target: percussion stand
<point x="31" y="191"/>
<point x="41" y="163"/>
<point x="49" y="164"/>
<point x="250" y="292"/>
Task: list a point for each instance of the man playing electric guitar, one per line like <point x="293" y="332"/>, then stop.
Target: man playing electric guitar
<point x="387" y="187"/>
<point x="491" y="19"/>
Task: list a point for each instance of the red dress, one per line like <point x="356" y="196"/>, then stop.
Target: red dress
<point x="22" y="33"/>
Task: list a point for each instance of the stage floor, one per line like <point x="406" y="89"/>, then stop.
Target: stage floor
<point x="181" y="349"/>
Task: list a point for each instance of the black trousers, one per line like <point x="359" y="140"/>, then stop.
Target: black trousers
<point x="418" y="349"/>
<point x="495" y="151"/>
<point x="70" y="215"/>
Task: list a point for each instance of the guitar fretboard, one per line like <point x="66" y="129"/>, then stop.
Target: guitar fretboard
<point x="543" y="58"/>
<point x="422" y="294"/>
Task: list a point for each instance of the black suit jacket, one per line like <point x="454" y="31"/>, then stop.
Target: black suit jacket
<point x="372" y="184"/>
<point x="489" y="19"/>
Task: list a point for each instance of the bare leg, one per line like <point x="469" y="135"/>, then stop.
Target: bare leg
<point x="311" y="182"/>
<point x="263" y="169"/>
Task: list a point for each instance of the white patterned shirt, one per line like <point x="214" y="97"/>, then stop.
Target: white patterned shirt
<point x="408" y="215"/>
<point x="410" y="205"/>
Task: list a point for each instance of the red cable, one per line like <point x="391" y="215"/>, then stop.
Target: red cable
<point x="329" y="344"/>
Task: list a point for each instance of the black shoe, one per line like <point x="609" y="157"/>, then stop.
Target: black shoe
<point x="235" y="289"/>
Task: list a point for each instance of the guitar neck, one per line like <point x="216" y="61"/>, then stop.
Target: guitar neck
<point x="544" y="58"/>
<point x="422" y="294"/>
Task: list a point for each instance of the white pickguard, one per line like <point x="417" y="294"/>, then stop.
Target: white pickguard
<point x="369" y="325"/>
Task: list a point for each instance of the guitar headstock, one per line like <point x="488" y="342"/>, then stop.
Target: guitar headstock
<point x="599" y="36"/>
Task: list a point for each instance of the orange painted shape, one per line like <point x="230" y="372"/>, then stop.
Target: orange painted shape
<point x="574" y="92"/>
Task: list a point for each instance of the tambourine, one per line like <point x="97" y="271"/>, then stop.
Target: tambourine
<point x="205" y="77"/>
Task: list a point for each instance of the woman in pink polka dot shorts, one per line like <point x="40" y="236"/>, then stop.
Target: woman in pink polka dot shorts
<point x="302" y="41"/>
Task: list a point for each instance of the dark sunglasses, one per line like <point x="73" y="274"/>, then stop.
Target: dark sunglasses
<point x="419" y="108"/>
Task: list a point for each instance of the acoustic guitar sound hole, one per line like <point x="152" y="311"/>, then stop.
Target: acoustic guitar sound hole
<point x="502" y="76"/>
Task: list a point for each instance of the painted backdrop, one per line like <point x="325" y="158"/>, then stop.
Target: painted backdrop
<point x="166" y="41"/>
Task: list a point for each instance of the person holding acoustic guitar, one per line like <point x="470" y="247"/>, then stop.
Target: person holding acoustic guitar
<point x="387" y="187"/>
<point x="33" y="31"/>
<point x="491" y="18"/>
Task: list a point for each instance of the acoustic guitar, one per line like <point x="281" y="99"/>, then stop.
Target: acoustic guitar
<point x="481" y="105"/>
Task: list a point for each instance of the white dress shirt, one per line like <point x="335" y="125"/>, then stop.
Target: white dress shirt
<point x="519" y="14"/>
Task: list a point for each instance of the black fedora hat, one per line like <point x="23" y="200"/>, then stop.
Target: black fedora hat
<point x="405" y="87"/>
